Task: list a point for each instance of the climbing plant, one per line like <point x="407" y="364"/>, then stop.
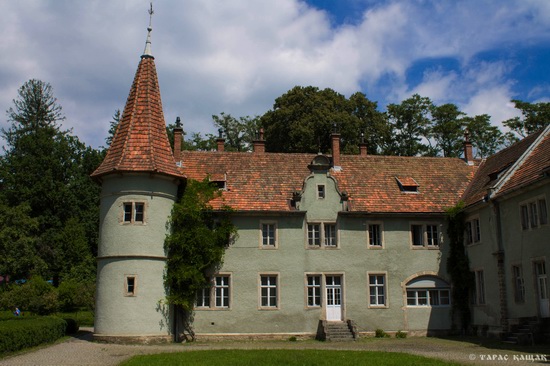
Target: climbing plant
<point x="458" y="266"/>
<point x="195" y="246"/>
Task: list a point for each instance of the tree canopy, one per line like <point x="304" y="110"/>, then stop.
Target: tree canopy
<point x="45" y="181"/>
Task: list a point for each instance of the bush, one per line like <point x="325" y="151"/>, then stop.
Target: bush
<point x="75" y="295"/>
<point x="379" y="333"/>
<point x="292" y="339"/>
<point x="36" y="295"/>
<point x="400" y="334"/>
<point x="72" y="326"/>
<point x="22" y="333"/>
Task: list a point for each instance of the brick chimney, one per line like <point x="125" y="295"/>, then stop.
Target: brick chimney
<point x="363" y="146"/>
<point x="220" y="141"/>
<point x="178" y="136"/>
<point x="259" y="143"/>
<point x="336" y="151"/>
<point x="468" y="149"/>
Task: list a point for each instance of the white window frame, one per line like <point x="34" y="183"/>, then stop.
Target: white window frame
<point x="130" y="285"/>
<point x="322" y="240"/>
<point x="314" y="290"/>
<point x="273" y="242"/>
<point x="518" y="283"/>
<point x="533" y="213"/>
<point x="480" y="298"/>
<point x="473" y="231"/>
<point x="269" y="286"/>
<point x="133" y="212"/>
<point x="427" y="238"/>
<point x="207" y="298"/>
<point x="370" y="238"/>
<point x="377" y="290"/>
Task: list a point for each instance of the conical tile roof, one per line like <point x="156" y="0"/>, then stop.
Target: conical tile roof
<point x="141" y="143"/>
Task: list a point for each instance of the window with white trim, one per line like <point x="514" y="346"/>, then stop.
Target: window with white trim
<point x="268" y="235"/>
<point x="217" y="295"/>
<point x="377" y="290"/>
<point x="428" y="291"/>
<point x="133" y="212"/>
<point x="533" y="213"/>
<point x="425" y="235"/>
<point x="321" y="235"/>
<point x="313" y="290"/>
<point x="519" y="285"/>
<point x="374" y="234"/>
<point x="268" y="291"/>
<point x="480" y="288"/>
<point x="473" y="233"/>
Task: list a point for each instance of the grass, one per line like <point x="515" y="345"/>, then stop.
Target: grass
<point x="284" y="357"/>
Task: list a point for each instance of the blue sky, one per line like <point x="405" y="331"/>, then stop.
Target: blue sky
<point x="237" y="56"/>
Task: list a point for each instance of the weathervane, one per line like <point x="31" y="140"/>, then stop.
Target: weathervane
<point x="151" y="12"/>
<point x="147" y="51"/>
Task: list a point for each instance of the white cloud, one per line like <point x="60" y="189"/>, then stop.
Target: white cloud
<point x="237" y="57"/>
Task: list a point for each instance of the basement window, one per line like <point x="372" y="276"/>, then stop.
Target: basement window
<point x="407" y="184"/>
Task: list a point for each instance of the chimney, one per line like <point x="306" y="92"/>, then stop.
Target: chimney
<point x="220" y="141"/>
<point x="468" y="150"/>
<point x="335" y="149"/>
<point x="178" y="135"/>
<point x="259" y="143"/>
<point x="363" y="146"/>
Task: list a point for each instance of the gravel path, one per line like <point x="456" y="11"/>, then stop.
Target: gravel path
<point x="80" y="350"/>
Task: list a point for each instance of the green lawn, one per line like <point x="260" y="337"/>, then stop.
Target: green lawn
<point x="283" y="357"/>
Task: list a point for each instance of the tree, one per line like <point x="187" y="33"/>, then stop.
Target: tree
<point x="195" y="246"/>
<point x="239" y="133"/>
<point x="535" y="117"/>
<point x="485" y="138"/>
<point x="303" y="118"/>
<point x="18" y="242"/>
<point x="113" y="125"/>
<point x="409" y="123"/>
<point x="48" y="169"/>
<point x="447" y="130"/>
<point x="372" y="124"/>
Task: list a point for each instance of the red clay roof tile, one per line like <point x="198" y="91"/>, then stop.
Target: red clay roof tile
<point x="265" y="182"/>
<point x="141" y="143"/>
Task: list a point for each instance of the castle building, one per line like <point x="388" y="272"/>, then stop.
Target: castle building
<point x="353" y="241"/>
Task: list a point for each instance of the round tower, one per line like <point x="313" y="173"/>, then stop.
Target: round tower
<point x="139" y="180"/>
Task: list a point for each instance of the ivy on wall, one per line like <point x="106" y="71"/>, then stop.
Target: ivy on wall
<point x="458" y="265"/>
<point x="195" y="246"/>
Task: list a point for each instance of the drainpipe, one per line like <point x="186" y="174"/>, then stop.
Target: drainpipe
<point x="501" y="268"/>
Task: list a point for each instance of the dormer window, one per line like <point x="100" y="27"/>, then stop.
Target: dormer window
<point x="219" y="181"/>
<point x="407" y="184"/>
<point x="321" y="192"/>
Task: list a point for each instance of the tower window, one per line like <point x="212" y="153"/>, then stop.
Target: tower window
<point x="130" y="285"/>
<point x="133" y="212"/>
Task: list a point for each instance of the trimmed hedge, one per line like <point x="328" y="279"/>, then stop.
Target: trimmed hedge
<point x="22" y="333"/>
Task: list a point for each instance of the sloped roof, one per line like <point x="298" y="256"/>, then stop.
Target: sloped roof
<point x="141" y="143"/>
<point x="532" y="168"/>
<point x="266" y="181"/>
<point x="494" y="167"/>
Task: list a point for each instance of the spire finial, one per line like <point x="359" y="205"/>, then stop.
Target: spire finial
<point x="147" y="51"/>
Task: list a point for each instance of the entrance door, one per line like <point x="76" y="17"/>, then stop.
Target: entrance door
<point x="542" y="289"/>
<point x="333" y="285"/>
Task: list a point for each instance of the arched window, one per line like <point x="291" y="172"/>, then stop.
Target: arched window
<point x="428" y="291"/>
